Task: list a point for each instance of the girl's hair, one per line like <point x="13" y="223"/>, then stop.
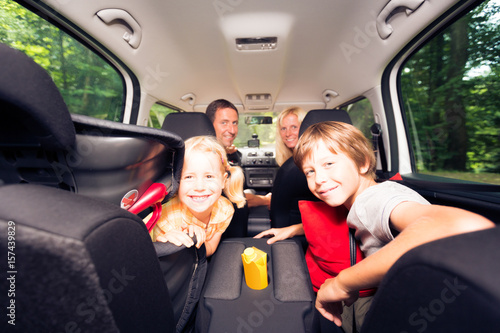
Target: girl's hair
<point x="282" y="151"/>
<point x="233" y="188"/>
<point x="337" y="137"/>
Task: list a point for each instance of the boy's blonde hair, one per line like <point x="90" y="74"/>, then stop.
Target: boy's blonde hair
<point x="282" y="151"/>
<point x="337" y="136"/>
<point x="233" y="188"/>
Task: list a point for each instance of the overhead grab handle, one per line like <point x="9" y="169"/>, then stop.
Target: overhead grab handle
<point x="384" y="29"/>
<point x="120" y="16"/>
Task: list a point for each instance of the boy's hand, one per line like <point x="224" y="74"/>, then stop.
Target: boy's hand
<point x="330" y="299"/>
<point x="176" y="237"/>
<point x="278" y="234"/>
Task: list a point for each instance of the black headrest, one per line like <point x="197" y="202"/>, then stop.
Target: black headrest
<point x="188" y="124"/>
<point x="318" y="116"/>
<point x="29" y="99"/>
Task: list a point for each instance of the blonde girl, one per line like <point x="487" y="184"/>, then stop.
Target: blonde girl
<point x="199" y="207"/>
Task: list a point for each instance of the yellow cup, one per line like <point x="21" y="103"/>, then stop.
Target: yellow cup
<point x="255" y="268"/>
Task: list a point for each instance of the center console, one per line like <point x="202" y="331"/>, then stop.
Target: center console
<point x="227" y="304"/>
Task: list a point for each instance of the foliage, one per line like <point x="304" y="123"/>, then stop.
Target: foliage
<point x="88" y="84"/>
<point x="450" y="91"/>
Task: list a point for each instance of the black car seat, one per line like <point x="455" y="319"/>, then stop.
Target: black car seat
<point x="448" y="285"/>
<point x="82" y="264"/>
<point x="56" y="230"/>
<point x="290" y="184"/>
<point x="189" y="124"/>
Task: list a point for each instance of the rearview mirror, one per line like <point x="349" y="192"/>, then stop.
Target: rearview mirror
<point x="258" y="120"/>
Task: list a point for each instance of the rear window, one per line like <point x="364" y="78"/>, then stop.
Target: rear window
<point x="88" y="84"/>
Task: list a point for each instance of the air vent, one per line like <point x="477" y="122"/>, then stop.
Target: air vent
<point x="256" y="43"/>
<point x="258" y="101"/>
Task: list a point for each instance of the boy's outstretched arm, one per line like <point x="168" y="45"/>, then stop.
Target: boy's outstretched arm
<point x="418" y="224"/>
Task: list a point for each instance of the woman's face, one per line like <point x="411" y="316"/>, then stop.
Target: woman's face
<point x="289" y="130"/>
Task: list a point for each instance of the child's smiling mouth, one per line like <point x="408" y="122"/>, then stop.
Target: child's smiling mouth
<point x="199" y="198"/>
<point x="328" y="191"/>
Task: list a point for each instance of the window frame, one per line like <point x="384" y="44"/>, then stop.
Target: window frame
<point x="480" y="197"/>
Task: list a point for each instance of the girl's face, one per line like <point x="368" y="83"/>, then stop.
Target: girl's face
<point x="289" y="130"/>
<point x="333" y="178"/>
<point x="201" y="183"/>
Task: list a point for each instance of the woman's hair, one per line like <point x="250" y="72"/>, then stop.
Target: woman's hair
<point x="282" y="151"/>
<point x="337" y="137"/>
<point x="233" y="188"/>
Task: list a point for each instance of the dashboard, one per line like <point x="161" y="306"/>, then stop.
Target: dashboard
<point x="259" y="166"/>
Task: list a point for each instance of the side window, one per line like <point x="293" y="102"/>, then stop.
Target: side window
<point x="450" y="91"/>
<point x="88" y="84"/>
<point x="361" y="113"/>
<point x="157" y="115"/>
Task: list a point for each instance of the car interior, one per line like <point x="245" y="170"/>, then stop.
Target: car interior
<point x="98" y="97"/>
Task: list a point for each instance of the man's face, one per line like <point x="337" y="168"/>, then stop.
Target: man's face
<point x="226" y="126"/>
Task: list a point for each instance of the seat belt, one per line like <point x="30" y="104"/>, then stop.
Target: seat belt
<point x="378" y="145"/>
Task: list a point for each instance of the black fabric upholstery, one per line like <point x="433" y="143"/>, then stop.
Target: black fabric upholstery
<point x="290" y="184"/>
<point x="320" y="115"/>
<point x="82" y="263"/>
<point x="187" y="125"/>
<point x="226" y="274"/>
<point x="229" y="305"/>
<point x="30" y="100"/>
<point x="291" y="280"/>
<point x="449" y="285"/>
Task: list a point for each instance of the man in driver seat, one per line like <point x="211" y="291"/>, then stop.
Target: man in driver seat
<point x="224" y="116"/>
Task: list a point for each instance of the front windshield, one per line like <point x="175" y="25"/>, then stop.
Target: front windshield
<point x="266" y="132"/>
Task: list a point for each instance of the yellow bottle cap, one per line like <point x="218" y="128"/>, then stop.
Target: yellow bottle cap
<point x="249" y="253"/>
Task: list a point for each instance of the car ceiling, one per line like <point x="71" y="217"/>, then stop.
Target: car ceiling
<point x="187" y="48"/>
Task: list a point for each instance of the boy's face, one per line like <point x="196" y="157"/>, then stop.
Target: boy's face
<point x="201" y="183"/>
<point x="333" y="178"/>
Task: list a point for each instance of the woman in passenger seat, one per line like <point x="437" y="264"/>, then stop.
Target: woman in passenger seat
<point x="287" y="135"/>
<point x="287" y="132"/>
<point x="199" y="207"/>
